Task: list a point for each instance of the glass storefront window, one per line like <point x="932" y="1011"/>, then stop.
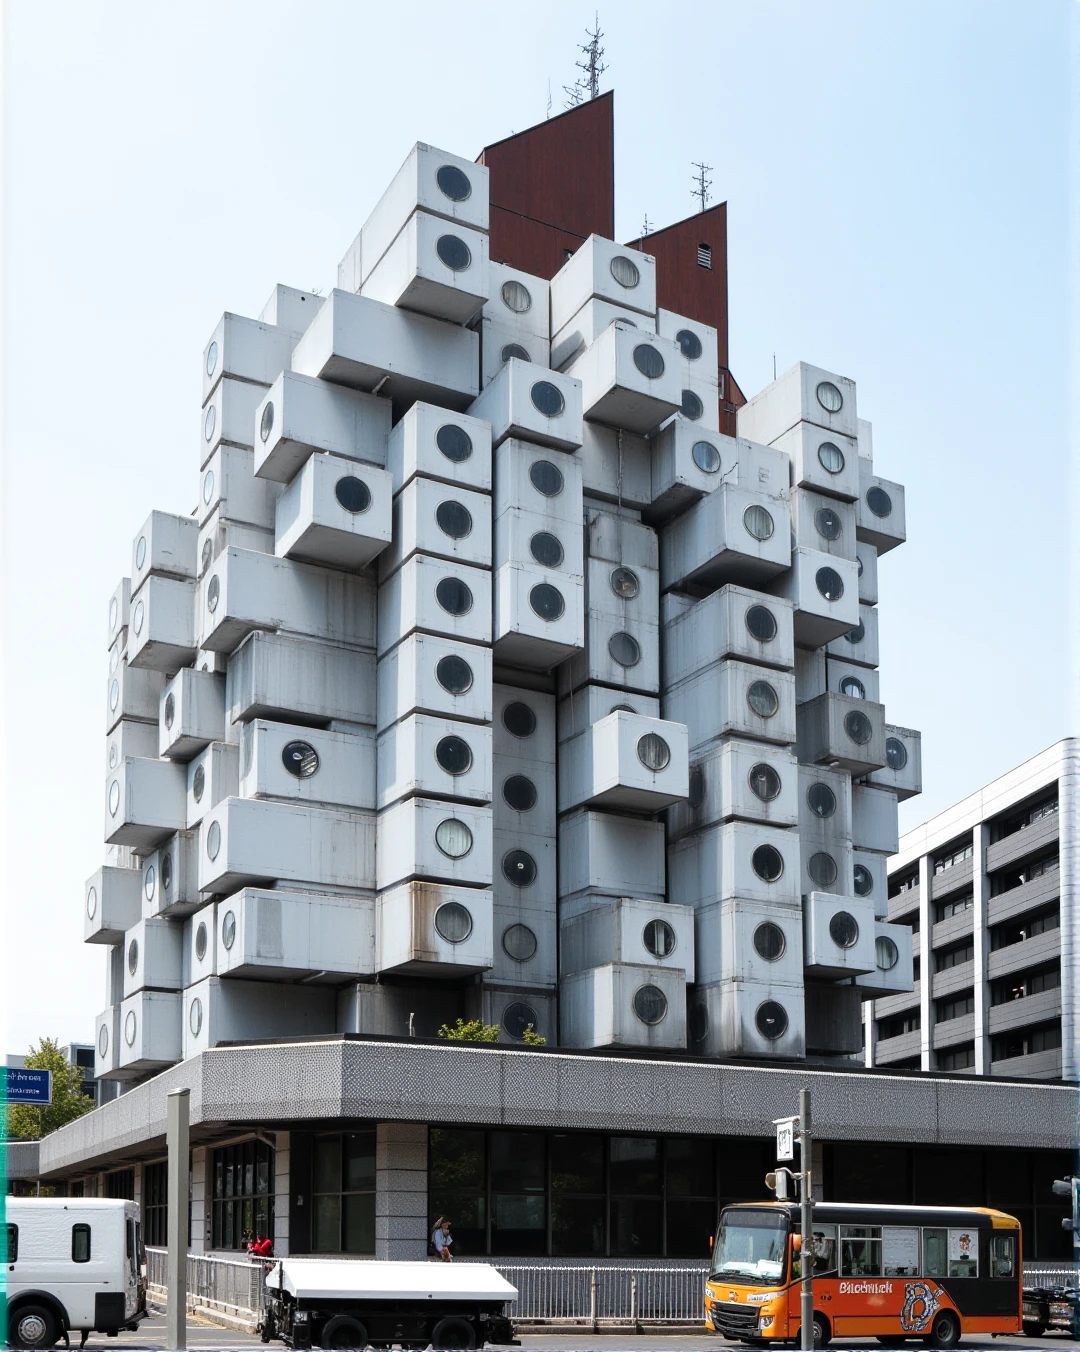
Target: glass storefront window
<point x="242" y="1206"/>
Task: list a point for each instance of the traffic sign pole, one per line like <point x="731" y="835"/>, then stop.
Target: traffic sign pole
<point x="807" y="1211"/>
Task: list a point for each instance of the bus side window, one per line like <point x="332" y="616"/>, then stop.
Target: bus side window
<point x="935" y="1250"/>
<point x="1003" y="1255"/>
<point x="11" y="1244"/>
<point x="80" y="1244"/>
<point x="963" y="1253"/>
<point x="860" y="1251"/>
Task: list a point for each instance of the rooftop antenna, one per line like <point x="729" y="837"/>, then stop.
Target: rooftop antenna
<point x="702" y="183"/>
<point x="587" y="85"/>
<point x="646" y="227"/>
<point x="774" y="366"/>
<point x="549" y="99"/>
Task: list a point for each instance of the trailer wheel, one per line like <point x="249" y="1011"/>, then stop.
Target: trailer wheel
<point x="343" y="1331"/>
<point x="33" y="1326"/>
<point x="453" y="1332"/>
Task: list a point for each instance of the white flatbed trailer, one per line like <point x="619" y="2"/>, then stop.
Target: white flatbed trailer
<point x="355" y="1303"/>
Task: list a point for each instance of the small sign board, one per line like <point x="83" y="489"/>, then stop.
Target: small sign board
<point x="29" y="1086"/>
<point x="785" y="1138"/>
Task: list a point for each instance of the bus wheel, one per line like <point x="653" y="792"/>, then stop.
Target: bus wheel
<point x="344" y="1332"/>
<point x="821" y="1331"/>
<point x="453" y="1332"/>
<point x="33" y="1326"/>
<point x="945" y="1331"/>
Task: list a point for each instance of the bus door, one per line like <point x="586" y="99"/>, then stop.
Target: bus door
<point x="1003" y="1267"/>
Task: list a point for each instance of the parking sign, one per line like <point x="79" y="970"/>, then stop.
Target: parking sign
<point x="785" y="1139"/>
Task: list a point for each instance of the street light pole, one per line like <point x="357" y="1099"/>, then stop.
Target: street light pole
<point x="807" y="1252"/>
<point x="177" y="1139"/>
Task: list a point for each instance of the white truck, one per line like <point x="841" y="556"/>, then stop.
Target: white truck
<point x="71" y="1264"/>
<point x="356" y="1303"/>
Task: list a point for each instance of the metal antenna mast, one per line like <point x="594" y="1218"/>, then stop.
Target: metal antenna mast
<point x="646" y="227"/>
<point x="702" y="183"/>
<point x="587" y="85"/>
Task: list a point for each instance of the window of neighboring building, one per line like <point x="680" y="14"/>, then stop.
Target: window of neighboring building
<point x="1021" y="818"/>
<point x="343" y="1192"/>
<point x="121" y="1183"/>
<point x="1040" y="868"/>
<point x="1026" y="1041"/>
<point x="952" y="856"/>
<point x="155" y="1203"/>
<point x="1022" y="984"/>
<point x="1019" y="928"/>
<point x="243" y="1194"/>
<point x="957" y="1058"/>
<point x="903" y="882"/>
<point x="955" y="1007"/>
<point x="943" y="910"/>
<point x="899" y="1024"/>
<point x="916" y="967"/>
<point x="953" y="956"/>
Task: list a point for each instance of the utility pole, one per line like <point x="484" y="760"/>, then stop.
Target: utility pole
<point x="702" y="183"/>
<point x="806" y="1305"/>
<point x="178" y="1103"/>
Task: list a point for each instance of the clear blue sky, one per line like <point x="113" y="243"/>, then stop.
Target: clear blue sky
<point x="898" y="207"/>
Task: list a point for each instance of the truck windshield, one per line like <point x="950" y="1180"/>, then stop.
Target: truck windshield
<point x="751" y="1246"/>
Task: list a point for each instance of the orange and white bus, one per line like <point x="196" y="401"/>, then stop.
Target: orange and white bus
<point x="889" y="1272"/>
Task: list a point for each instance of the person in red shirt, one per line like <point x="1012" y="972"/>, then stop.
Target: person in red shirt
<point x="263" y="1247"/>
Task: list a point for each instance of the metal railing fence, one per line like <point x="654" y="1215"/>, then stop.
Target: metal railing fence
<point x="232" y="1285"/>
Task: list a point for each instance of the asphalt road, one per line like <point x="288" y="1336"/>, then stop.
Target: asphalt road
<point x="210" y="1338"/>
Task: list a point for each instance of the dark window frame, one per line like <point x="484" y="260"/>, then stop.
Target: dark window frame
<point x="78" y="1231"/>
<point x="12" y="1252"/>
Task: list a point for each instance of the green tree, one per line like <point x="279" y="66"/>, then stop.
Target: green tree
<point x="532" y="1038"/>
<point x="473" y="1031"/>
<point x="27" y="1121"/>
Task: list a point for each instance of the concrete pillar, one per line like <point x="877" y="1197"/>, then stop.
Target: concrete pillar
<point x="138" y="1189"/>
<point x="201" y="1193"/>
<point x="282" y="1192"/>
<point x="869" y="1032"/>
<point x="401" y="1188"/>
<point x="926" y="962"/>
<point x="981" y="900"/>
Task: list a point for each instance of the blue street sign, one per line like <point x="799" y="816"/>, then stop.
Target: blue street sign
<point x="29" y="1086"/>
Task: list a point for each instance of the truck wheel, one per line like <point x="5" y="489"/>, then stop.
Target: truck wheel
<point x="33" y="1326"/>
<point x="945" y="1331"/>
<point x="344" y="1332"/>
<point x="453" y="1332"/>
<point x="1034" y="1330"/>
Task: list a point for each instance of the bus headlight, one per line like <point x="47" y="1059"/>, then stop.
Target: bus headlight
<point x="765" y="1321"/>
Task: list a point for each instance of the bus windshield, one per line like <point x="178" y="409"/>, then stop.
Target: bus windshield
<point x="751" y="1246"/>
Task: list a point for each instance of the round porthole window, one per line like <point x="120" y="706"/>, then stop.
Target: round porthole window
<point x="512" y="350"/>
<point x="769" y="941"/>
<point x="546" y="549"/>
<point x="758" y="522"/>
<point x="625" y="271"/>
<point x="764" y="782"/>
<point x="653" y="752"/>
<point x="198" y="783"/>
<point x="114" y="797"/>
<point x="624" y="649"/>
<point x="624" y="582"/>
<point x="658" y="938"/>
<point x="859" y="565"/>
<point x="546" y="478"/>
<point x="453" y="755"/>
<point x="140" y="552"/>
<point x="170" y="709"/>
<point x="519" y="868"/>
<point x="830" y="457"/>
<point x="353" y="494"/>
<point x="895" y="753"/>
<point x="821" y="800"/>
<point x="454" y="838"/>
<point x="519" y="720"/>
<point x="829" y="583"/>
<point x="149" y="882"/>
<point x="689" y="344"/>
<point x="547" y="601"/>
<point x="209" y="424"/>
<point x="829" y="397"/>
<point x="822" y="869"/>
<point x="454" y="442"/>
<point x="300" y="759"/>
<point x="228" y="930"/>
<point x="114" y="695"/>
<point x="699" y="1022"/>
<point x="761" y="623"/>
<point x="518" y="1018"/>
<point x="771" y="1020"/>
<point x="114" y="660"/>
<point x="91" y="903"/>
<point x="454" y="519"/>
<point x="858" y="727"/>
<point x="453" y="252"/>
<point x="650" y="1004"/>
<point x="208" y="486"/>
<point x="547" y="399"/>
<point x="857" y="634"/>
<point x="453" y="182"/>
<point x="200" y="941"/>
<point x="454" y="596"/>
<point x="696" y="795"/>
<point x="207" y="555"/>
<point x="138" y="617"/>
<point x="454" y="674"/>
<point x="114" y="755"/>
<point x="195" y="1017"/>
<point x="114" y="614"/>
<point x="691" y="406"/>
<point x="648" y="361"/>
<point x="828" y="523"/>
<point x="852" y="687"/>
<point x="103" y="1040"/>
<point x="844" y="929"/>
<point x="211" y="358"/>
<point x="213" y="840"/>
<point x="519" y="793"/>
<point x="131" y="1027"/>
<point x="864" y="881"/>
<point x="266" y="422"/>
<point x="166" y="871"/>
<point x="763" y="699"/>
<point x="706" y="456"/>
<point x="886" y="953"/>
<point x="519" y="942"/>
<point x="133" y="957"/>
<point x="516" y="296"/>
<point x="768" y="863"/>
<point x="453" y="922"/>
<point x="879" y="501"/>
